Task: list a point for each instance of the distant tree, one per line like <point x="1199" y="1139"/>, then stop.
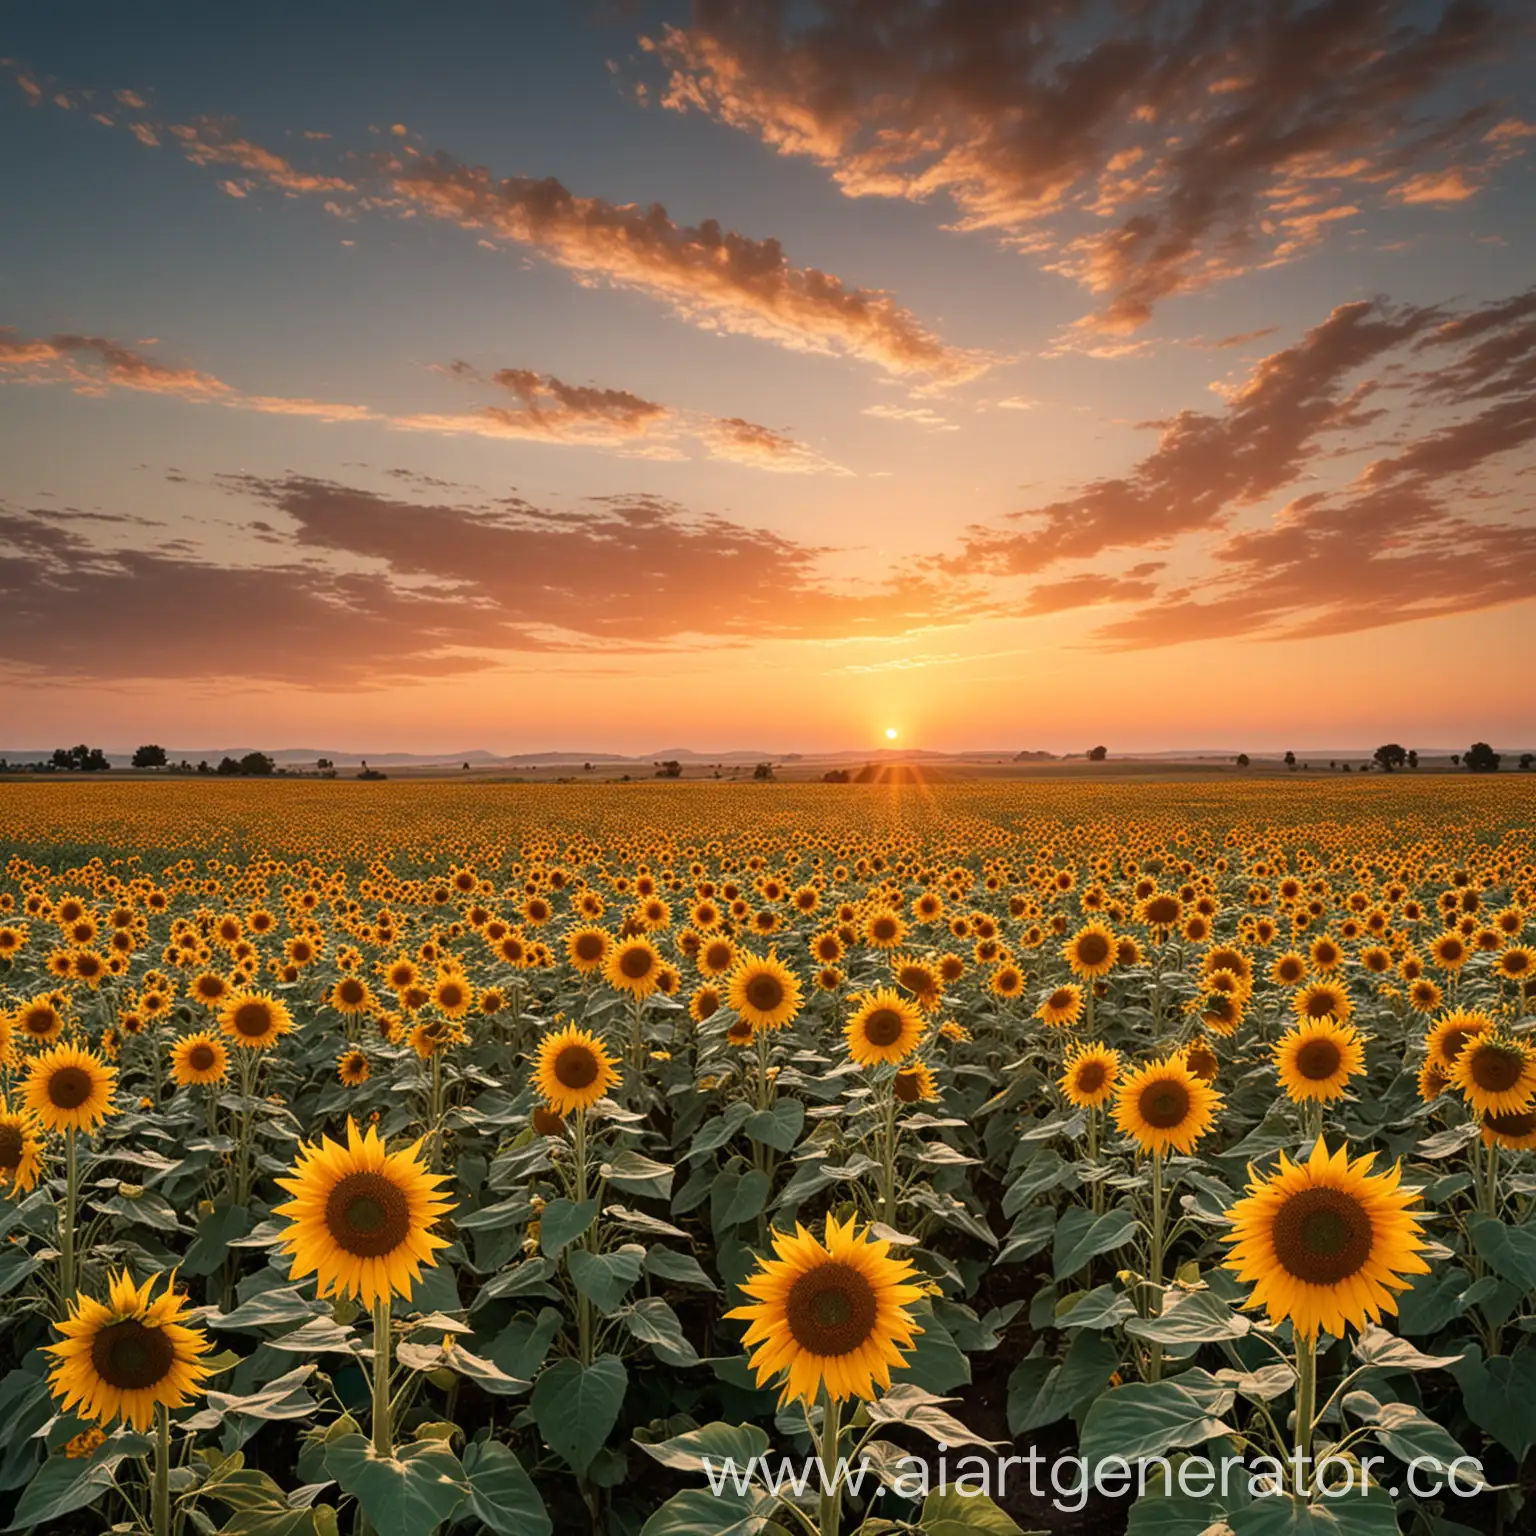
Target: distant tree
<point x="1456" y="759"/>
<point x="671" y="769"/>
<point x="1098" y="754"/>
<point x="1527" y="759"/>
<point x="149" y="757"/>
<point x="1242" y="759"/>
<point x="466" y="767"/>
<point x="203" y="767"/>
<point x="80" y="759"/>
<point x="1346" y="767"/>
<point x="1481" y="758"/>
<point x="1290" y="761"/>
<point x="1333" y="762"/>
<point x="763" y="771"/>
<point x="1390" y="756"/>
<point x="372" y="773"/>
<point x="228" y="767"/>
<point x="322" y="763"/>
<point x="257" y="764"/>
<point x="1413" y="758"/>
<point x="586" y="767"/>
<point x="835" y="776"/>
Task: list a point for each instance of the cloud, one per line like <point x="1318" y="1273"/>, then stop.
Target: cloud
<point x="1205" y="466"/>
<point x="547" y="409"/>
<point x="355" y="589"/>
<point x="710" y="276"/>
<point x="1164" y="148"/>
<point x="1439" y="525"/>
<point x="1092" y="588"/>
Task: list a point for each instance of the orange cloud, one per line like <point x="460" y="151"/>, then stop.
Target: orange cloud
<point x="1192" y="129"/>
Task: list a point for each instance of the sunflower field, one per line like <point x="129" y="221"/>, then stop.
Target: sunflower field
<point x="714" y="1160"/>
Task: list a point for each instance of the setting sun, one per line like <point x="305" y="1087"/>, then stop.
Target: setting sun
<point x="890" y="733"/>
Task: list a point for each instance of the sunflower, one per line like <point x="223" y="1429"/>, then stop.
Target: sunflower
<point x="716" y="956"/>
<point x="1323" y="1000"/>
<point x="1515" y="964"/>
<point x="764" y="991"/>
<point x="1450" y="1034"/>
<point x="919" y="977"/>
<point x="1165" y="1106"/>
<point x="199" y="1058"/>
<point x="359" y="1216"/>
<point x="1326" y="1242"/>
<point x="885" y="1027"/>
<point x="915" y="1083"/>
<point x="587" y="948"/>
<point x="1317" y="1058"/>
<point x="741" y="1032"/>
<point x="632" y="967"/>
<point x="1202" y="1060"/>
<point x="21" y="1151"/>
<point x="832" y="1317"/>
<point x="352" y="1068"/>
<point x="350" y="996"/>
<point x="69" y="1089"/>
<point x="1089" y="1078"/>
<point x="1007" y="981"/>
<point x="38" y="1020"/>
<point x="704" y="1004"/>
<point x="1449" y="951"/>
<point x="1061" y="1008"/>
<point x="255" y="1019"/>
<point x="1516" y="1131"/>
<point x="572" y="1070"/>
<point x="127" y="1356"/>
<point x="884" y="929"/>
<point x="1091" y="951"/>
<point x="1432" y="1081"/>
<point x="1496" y="1076"/>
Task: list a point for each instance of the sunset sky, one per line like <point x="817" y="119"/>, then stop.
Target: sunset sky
<point x="759" y="375"/>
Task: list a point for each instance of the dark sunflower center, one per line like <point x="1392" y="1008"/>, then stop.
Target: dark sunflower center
<point x="1322" y="1236"/>
<point x="740" y="1031"/>
<point x="450" y="994"/>
<point x="1516" y="964"/>
<point x="69" y="1087"/>
<point x="909" y="1087"/>
<point x="1164" y="1104"/>
<point x="351" y="991"/>
<point x="884" y="928"/>
<point x="252" y="1020"/>
<point x="576" y="1067"/>
<point x="1322" y="1005"/>
<point x="708" y="1005"/>
<point x="635" y="963"/>
<point x="765" y="992"/>
<point x="1060" y="1000"/>
<point x="883" y="1027"/>
<point x="1162" y="910"/>
<point x="1318" y="1060"/>
<point x="1090" y="1077"/>
<point x="914" y="979"/>
<point x="201" y="1057"/>
<point x="1092" y="949"/>
<point x="1517" y="1123"/>
<point x="132" y="1356"/>
<point x="831" y="1309"/>
<point x="10" y="1147"/>
<point x="1495" y="1069"/>
<point x="1290" y="970"/>
<point x="588" y="946"/>
<point x="367" y="1215"/>
<point x="38" y="1021"/>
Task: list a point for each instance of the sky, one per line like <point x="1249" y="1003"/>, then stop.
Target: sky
<point x="749" y="374"/>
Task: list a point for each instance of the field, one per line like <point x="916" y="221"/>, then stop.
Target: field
<point x="510" y="1156"/>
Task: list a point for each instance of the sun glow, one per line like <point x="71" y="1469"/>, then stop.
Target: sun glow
<point x="890" y="733"/>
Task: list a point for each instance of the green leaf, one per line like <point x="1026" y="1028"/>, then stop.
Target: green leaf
<point x="699" y="1512"/>
<point x="1171" y="1513"/>
<point x="717" y="1442"/>
<point x="637" y="1174"/>
<point x="1081" y="1236"/>
<point x="575" y="1406"/>
<point x="934" y="1361"/>
<point x="738" y="1196"/>
<point x="15" y="1265"/>
<point x="1385" y="1351"/>
<point x="907" y="1404"/>
<point x="1511" y="1251"/>
<point x="519" y="1349"/>
<point x="1499" y="1394"/>
<point x="715" y="1133"/>
<point x="215" y="1232"/>
<point x="1102" y="1307"/>
<point x="778" y="1127"/>
<point x="958" y="1514"/>
<point x="64" y="1483"/>
<point x="501" y="1493"/>
<point x="1190" y="1317"/>
<point x="603" y="1278"/>
<point x="679" y="1268"/>
<point x="653" y="1322"/>
<point x="407" y="1494"/>
<point x="1413" y="1436"/>
<point x="1084" y="1372"/>
<point x="268" y="1309"/>
<point x="563" y="1221"/>
<point x="1144" y="1419"/>
<point x="1357" y="1514"/>
<point x="284" y="1398"/>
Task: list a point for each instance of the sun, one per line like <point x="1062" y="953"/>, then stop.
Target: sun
<point x="891" y="733"/>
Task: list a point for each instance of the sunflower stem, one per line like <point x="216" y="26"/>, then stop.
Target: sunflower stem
<point x="162" y="1477"/>
<point x="1096" y="1190"/>
<point x="1155" y="1265"/>
<point x="888" y="1160"/>
<point x="579" y="1169"/>
<point x="383" y="1441"/>
<point x="1491" y="1180"/>
<point x="67" y="1276"/>
<point x="1306" y="1408"/>
<point x="830" y="1505"/>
